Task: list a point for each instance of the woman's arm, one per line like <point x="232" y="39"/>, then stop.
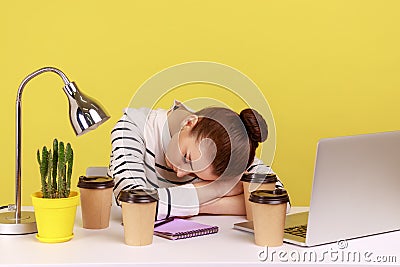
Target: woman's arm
<point x="210" y="190"/>
<point x="127" y="156"/>
<point x="229" y="203"/>
<point x="232" y="205"/>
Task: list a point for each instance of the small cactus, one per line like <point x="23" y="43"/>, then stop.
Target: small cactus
<point x="61" y="167"/>
<point x="55" y="162"/>
<point x="43" y="164"/>
<point x="56" y="170"/>
<point x="69" y="158"/>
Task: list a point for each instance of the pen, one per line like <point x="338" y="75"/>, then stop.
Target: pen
<point x="164" y="221"/>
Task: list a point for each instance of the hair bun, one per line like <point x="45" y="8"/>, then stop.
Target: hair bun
<point x="256" y="127"/>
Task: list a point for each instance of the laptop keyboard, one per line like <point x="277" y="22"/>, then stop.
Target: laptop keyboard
<point x="299" y="230"/>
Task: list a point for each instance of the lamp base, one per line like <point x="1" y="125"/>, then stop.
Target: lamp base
<point x="10" y="226"/>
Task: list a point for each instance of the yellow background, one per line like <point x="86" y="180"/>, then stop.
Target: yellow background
<point x="327" y="68"/>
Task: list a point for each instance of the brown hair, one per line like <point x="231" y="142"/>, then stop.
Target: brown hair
<point x="235" y="136"/>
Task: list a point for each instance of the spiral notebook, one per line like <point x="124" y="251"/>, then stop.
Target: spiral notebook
<point x="181" y="228"/>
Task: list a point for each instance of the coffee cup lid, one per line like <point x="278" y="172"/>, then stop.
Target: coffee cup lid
<point x="260" y="178"/>
<point x="139" y="195"/>
<point x="277" y="196"/>
<point x="95" y="182"/>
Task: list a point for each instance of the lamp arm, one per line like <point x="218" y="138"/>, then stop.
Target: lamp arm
<point x="36" y="73"/>
<point x="18" y="134"/>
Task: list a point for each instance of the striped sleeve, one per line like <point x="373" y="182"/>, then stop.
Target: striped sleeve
<point x="178" y="201"/>
<point x="127" y="156"/>
<point x="258" y="166"/>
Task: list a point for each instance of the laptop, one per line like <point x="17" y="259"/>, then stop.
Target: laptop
<point x="355" y="192"/>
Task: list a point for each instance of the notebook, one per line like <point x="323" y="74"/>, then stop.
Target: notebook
<point x="181" y="228"/>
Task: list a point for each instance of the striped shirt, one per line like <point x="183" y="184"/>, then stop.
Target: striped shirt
<point x="137" y="160"/>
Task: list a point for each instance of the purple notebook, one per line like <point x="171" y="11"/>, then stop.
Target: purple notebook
<point x="181" y="228"/>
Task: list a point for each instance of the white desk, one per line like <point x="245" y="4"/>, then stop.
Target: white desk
<point x="226" y="248"/>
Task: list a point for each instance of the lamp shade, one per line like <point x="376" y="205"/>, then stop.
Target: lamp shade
<point x="85" y="113"/>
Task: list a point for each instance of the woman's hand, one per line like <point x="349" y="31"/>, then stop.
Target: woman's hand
<point x="209" y="190"/>
<point x="233" y="205"/>
<point x="236" y="190"/>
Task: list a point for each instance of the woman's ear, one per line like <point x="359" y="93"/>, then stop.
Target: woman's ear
<point x="190" y="121"/>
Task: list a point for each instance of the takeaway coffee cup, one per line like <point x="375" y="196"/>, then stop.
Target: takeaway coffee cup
<point x="138" y="215"/>
<point x="96" y="201"/>
<point x="269" y="214"/>
<point x="256" y="181"/>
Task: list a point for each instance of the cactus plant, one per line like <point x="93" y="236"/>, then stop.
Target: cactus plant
<point x="56" y="170"/>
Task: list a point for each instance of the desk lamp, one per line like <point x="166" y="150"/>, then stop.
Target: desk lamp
<point x="85" y="115"/>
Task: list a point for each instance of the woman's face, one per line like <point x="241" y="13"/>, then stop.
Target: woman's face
<point x="187" y="156"/>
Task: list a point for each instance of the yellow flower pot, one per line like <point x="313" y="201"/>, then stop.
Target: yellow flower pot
<point x="55" y="218"/>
